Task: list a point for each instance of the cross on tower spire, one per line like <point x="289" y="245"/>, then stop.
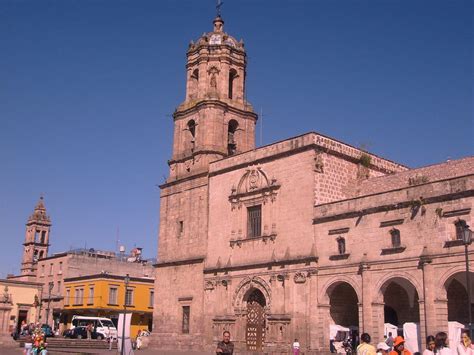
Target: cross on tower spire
<point x="218" y="8"/>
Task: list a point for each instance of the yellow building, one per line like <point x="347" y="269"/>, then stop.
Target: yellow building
<point x="103" y="295"/>
<point x="24" y="297"/>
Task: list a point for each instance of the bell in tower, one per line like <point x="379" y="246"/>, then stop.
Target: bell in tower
<point x="215" y="120"/>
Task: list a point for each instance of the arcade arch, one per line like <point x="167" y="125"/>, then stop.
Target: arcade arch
<point x="456" y="294"/>
<point x="401" y="301"/>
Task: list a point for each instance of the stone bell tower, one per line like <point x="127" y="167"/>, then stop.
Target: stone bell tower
<point x="215" y="120"/>
<point x="36" y="242"/>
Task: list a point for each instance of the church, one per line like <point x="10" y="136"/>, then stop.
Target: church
<point x="282" y="241"/>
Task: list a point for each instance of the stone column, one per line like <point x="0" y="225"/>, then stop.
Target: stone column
<point x="313" y="311"/>
<point x="323" y="327"/>
<point x="5" y="338"/>
<point x="366" y="301"/>
<point x="427" y="304"/>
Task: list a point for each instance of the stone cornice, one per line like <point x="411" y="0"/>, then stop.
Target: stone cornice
<point x="268" y="264"/>
<point x="181" y="180"/>
<point x="179" y="262"/>
<point x="195" y="50"/>
<point x="178" y="114"/>
<point x="388" y="207"/>
<point x="194" y="154"/>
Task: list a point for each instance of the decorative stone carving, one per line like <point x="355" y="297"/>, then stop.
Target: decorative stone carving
<point x="245" y="286"/>
<point x="254" y="184"/>
<point x="299" y="278"/>
<point x="208" y="286"/>
<point x="318" y="163"/>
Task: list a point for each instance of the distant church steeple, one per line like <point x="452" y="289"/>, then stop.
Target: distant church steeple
<point x="215" y="120"/>
<point x="36" y="242"/>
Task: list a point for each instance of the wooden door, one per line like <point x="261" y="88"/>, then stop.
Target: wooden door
<point x="255" y="326"/>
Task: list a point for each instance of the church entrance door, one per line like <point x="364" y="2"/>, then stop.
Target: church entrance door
<point x="255" y="321"/>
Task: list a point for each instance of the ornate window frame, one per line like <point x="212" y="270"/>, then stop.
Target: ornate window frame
<point x="254" y="188"/>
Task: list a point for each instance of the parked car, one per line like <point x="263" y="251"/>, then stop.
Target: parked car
<point x="81" y="333"/>
<point x="47" y="330"/>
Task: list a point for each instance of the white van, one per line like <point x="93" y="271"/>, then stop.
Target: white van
<point x="103" y="326"/>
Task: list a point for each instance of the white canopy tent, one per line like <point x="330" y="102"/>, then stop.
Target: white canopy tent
<point x="454" y="333"/>
<point x="411" y="333"/>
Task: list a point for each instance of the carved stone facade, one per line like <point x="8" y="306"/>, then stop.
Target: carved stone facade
<point x="279" y="242"/>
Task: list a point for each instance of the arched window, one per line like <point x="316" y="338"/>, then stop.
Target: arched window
<point x="231" y="142"/>
<point x="41" y="254"/>
<point x="193" y="85"/>
<point x="460" y="226"/>
<point x="192" y="131"/>
<point x="395" y="235"/>
<point x="43" y="237"/>
<point x="232" y="76"/>
<point x="341" y="246"/>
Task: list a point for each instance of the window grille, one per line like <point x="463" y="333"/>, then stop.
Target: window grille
<point x="129" y="297"/>
<point x="396" y="240"/>
<point x="460" y="225"/>
<point x="254" y="224"/>
<point x="113" y="295"/>
<point x="186" y="317"/>
<point x="341" y="246"/>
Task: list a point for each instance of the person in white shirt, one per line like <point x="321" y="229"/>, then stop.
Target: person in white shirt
<point x="441" y="345"/>
<point x="296" y="347"/>
<point x="465" y="347"/>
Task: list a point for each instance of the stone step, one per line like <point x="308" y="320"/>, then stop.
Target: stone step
<point x="73" y="343"/>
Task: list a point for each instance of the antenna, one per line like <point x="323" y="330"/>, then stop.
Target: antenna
<point x="117" y="240"/>
<point x="218" y="8"/>
<point x="261" y="127"/>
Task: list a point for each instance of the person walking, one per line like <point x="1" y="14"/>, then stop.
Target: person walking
<point x="365" y="348"/>
<point x="465" y="347"/>
<point x="399" y="347"/>
<point x="89" y="331"/>
<point x="225" y="347"/>
<point x="441" y="345"/>
<point x="296" y="347"/>
<point x="430" y="345"/>
<point x="389" y="341"/>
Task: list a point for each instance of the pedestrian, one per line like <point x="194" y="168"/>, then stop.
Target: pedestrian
<point x="389" y="341"/>
<point x="441" y="344"/>
<point x="110" y="339"/>
<point x="365" y="348"/>
<point x="465" y="347"/>
<point x="89" y="330"/>
<point x="399" y="347"/>
<point x="296" y="347"/>
<point x="225" y="347"/>
<point x="382" y="348"/>
<point x="430" y="345"/>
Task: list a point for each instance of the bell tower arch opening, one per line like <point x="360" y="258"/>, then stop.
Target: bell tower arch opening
<point x="232" y="76"/>
<point x="231" y="138"/>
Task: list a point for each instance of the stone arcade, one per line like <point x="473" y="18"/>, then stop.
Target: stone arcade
<point x="278" y="242"/>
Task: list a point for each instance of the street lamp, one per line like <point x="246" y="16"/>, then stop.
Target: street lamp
<point x="467" y="240"/>
<point x="50" y="288"/>
<point x="126" y="280"/>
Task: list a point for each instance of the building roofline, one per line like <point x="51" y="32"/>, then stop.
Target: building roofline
<point x="108" y="277"/>
<point x="314" y="133"/>
<point x="19" y="282"/>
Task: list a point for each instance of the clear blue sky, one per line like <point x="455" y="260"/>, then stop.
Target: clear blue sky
<point x="87" y="88"/>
